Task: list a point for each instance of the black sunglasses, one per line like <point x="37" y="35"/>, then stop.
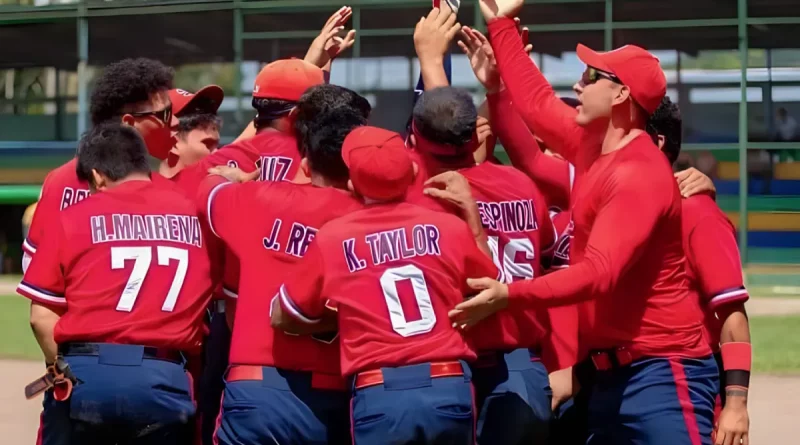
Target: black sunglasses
<point x="592" y="75"/>
<point x="164" y="115"/>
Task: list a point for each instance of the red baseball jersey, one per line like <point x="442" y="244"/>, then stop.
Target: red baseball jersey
<point x="131" y="267"/>
<point x="715" y="267"/>
<point x="282" y="220"/>
<point x="61" y="189"/>
<point x="274" y="152"/>
<point x="392" y="271"/>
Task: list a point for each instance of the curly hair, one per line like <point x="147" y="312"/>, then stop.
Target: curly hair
<point x="666" y="121"/>
<point x="126" y="83"/>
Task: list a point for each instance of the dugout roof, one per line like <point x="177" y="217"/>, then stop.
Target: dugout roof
<point x="181" y="33"/>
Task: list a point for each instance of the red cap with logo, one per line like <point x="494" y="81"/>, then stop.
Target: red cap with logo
<point x="634" y="67"/>
<point x="287" y="79"/>
<point x="208" y="99"/>
<point x="380" y="167"/>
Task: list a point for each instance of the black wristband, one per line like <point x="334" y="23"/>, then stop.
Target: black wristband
<point x="737" y="377"/>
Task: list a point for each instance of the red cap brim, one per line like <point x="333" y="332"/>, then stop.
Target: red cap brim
<point x="212" y="93"/>
<point x="592" y="58"/>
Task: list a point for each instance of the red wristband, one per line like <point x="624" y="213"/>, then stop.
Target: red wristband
<point x="736" y="356"/>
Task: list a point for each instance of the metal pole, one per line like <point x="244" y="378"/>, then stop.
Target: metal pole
<point x="357" y="27"/>
<point x="743" y="136"/>
<point x="83" y="58"/>
<point x="237" y="61"/>
<point x="608" y="29"/>
<point x="477" y="18"/>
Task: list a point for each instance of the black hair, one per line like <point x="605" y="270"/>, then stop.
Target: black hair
<point x="322" y="99"/>
<point x="324" y="139"/>
<point x="446" y="115"/>
<point x="126" y="83"/>
<point x="192" y="121"/>
<point x="666" y="121"/>
<point x="113" y="149"/>
<point x="269" y="110"/>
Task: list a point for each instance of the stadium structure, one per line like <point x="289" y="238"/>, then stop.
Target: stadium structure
<point x="733" y="66"/>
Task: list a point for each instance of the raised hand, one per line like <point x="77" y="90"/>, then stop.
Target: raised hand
<point x="493" y="9"/>
<point x="328" y="45"/>
<point x="481" y="57"/>
<point x="433" y="34"/>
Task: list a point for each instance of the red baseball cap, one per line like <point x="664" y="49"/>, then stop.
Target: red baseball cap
<point x="380" y="167"/>
<point x="287" y="79"/>
<point x="634" y="67"/>
<point x="208" y="98"/>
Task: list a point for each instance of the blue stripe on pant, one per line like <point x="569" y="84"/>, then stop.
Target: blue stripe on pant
<point x="513" y="399"/>
<point x="654" y="401"/>
<point x="123" y="398"/>
<point x="410" y="407"/>
<point x="283" y="408"/>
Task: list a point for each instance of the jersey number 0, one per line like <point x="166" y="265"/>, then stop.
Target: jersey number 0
<point x="142" y="256"/>
<point x="422" y="297"/>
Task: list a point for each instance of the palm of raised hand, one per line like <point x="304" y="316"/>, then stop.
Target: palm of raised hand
<point x="492" y="9"/>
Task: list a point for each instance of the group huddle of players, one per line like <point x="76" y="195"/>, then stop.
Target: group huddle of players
<point x="375" y="288"/>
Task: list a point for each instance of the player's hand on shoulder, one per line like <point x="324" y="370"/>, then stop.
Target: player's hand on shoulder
<point x="433" y="33"/>
<point x="452" y="187"/>
<point x="328" y="44"/>
<point x="234" y="174"/>
<point x="493" y="296"/>
<point x="692" y="182"/>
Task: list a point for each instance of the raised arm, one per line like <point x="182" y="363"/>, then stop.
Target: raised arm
<point x="551" y="119"/>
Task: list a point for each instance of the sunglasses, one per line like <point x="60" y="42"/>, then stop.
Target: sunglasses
<point x="164" y="115"/>
<point x="592" y="75"/>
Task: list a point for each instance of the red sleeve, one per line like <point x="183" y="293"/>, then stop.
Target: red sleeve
<point x="715" y="259"/>
<point x="606" y="258"/>
<point x="560" y="349"/>
<point x="44" y="280"/>
<point x="234" y="155"/>
<point x="549" y="173"/>
<point x="48" y="203"/>
<point x="220" y="204"/>
<point x="301" y="296"/>
<point x="534" y="98"/>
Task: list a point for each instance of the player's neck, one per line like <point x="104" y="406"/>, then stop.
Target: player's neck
<point x="168" y="172"/>
<point x="130" y="178"/>
<point x="321" y="181"/>
<point x="622" y="129"/>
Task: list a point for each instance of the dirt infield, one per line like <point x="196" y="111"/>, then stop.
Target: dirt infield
<point x="774" y="406"/>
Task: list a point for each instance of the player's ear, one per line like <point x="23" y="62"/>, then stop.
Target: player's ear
<point x="661" y="140"/>
<point x="128" y="120"/>
<point x="413" y="140"/>
<point x="415" y="167"/>
<point x="623" y="92"/>
<point x="98" y="180"/>
<point x="305" y="168"/>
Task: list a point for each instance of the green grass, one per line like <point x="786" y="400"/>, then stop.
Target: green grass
<point x="16" y="338"/>
<point x="776" y="339"/>
<point x="776" y="344"/>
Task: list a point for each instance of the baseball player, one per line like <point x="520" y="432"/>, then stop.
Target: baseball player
<point x="659" y="338"/>
<point x="280" y="387"/>
<point x="509" y="368"/>
<point x="390" y="272"/>
<point x="119" y="287"/>
<point x="135" y="93"/>
<point x="198" y="127"/>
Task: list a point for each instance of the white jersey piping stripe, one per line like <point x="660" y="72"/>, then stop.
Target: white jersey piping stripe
<point x="293" y="309"/>
<point x="208" y="207"/>
<point x="571" y="176"/>
<point x="725" y="297"/>
<point x="38" y="294"/>
<point x="229" y="293"/>
<point x="27" y="245"/>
